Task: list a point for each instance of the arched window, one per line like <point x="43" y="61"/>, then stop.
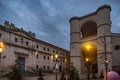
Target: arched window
<point x="89" y="29"/>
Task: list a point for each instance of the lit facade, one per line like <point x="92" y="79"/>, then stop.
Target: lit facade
<point x="94" y="29"/>
<point x="30" y="53"/>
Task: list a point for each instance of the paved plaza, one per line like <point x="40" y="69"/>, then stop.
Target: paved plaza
<point x="47" y="77"/>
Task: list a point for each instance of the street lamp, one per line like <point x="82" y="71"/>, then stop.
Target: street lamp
<point x="1" y="49"/>
<point x="56" y="65"/>
<point x="106" y="64"/>
<point x="87" y="59"/>
<point x="106" y="61"/>
<point x="88" y="64"/>
<point x="88" y="47"/>
<point x="36" y="52"/>
<point x="65" y="60"/>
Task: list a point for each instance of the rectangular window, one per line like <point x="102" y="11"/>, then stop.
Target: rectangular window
<point x="15" y="39"/>
<point x="60" y="53"/>
<point x="37" y="67"/>
<point x="0" y="35"/>
<point x="44" y="57"/>
<point x="22" y="40"/>
<point x="36" y="55"/>
<point x="27" y="43"/>
<point x="47" y="49"/>
<point x="53" y="67"/>
<point x="44" y="48"/>
<point x="37" y="46"/>
<point x="44" y="67"/>
<point x="66" y="55"/>
<point x="48" y="57"/>
<point x="53" y="51"/>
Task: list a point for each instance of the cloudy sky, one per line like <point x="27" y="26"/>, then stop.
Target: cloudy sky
<point x="49" y="19"/>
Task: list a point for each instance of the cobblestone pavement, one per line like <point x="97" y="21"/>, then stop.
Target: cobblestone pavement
<point x="47" y="77"/>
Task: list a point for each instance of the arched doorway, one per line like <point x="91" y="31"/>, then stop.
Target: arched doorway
<point x="89" y="53"/>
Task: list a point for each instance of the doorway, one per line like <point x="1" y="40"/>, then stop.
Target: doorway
<point x="21" y="63"/>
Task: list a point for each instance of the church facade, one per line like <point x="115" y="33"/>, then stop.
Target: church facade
<point x="91" y="41"/>
<point x="29" y="52"/>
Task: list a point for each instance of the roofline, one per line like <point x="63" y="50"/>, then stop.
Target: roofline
<point x="49" y="44"/>
<point x="90" y="14"/>
<point x="36" y="39"/>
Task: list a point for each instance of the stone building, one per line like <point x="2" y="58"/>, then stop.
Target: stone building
<point x="91" y="40"/>
<point x="29" y="52"/>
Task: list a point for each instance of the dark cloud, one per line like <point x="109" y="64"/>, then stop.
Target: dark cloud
<point x="49" y="19"/>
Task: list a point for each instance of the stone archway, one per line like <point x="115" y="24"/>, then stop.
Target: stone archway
<point x="93" y="27"/>
<point x="89" y="29"/>
<point x="90" y="54"/>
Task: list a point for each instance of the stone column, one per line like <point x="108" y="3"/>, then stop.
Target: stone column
<point x="104" y="37"/>
<point x="75" y="44"/>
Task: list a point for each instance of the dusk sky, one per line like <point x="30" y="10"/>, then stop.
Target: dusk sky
<point x="49" y="19"/>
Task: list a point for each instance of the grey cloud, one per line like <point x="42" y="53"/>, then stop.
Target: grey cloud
<point x="49" y="19"/>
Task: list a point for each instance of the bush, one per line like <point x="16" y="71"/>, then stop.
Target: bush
<point x="63" y="76"/>
<point x="15" y="74"/>
<point x="73" y="74"/>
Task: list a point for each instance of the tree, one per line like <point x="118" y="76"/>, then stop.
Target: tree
<point x="40" y="76"/>
<point x="15" y="74"/>
<point x="104" y="42"/>
<point x="73" y="74"/>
